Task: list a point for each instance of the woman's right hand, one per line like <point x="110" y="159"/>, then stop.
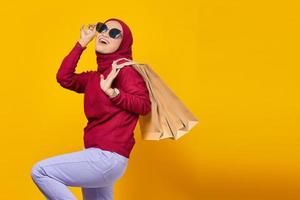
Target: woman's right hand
<point x="86" y="35"/>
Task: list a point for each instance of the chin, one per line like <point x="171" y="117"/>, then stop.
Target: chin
<point x="104" y="51"/>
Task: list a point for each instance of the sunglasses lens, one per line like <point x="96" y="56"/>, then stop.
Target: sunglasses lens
<point x="98" y="26"/>
<point x="114" y="33"/>
<point x="101" y="27"/>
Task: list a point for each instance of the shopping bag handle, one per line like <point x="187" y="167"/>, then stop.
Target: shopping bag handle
<point x="129" y="62"/>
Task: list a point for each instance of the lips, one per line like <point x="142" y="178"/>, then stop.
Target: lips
<point x="103" y="41"/>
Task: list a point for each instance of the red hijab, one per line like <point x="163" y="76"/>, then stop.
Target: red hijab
<point x="104" y="61"/>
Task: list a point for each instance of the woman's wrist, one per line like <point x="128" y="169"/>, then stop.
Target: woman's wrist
<point x="109" y="91"/>
<point x="112" y="92"/>
<point x="116" y="92"/>
<point x="82" y="43"/>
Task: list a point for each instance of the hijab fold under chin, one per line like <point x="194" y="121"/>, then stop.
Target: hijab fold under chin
<point x="104" y="61"/>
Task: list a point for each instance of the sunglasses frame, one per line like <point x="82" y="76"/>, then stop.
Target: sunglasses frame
<point x="110" y="33"/>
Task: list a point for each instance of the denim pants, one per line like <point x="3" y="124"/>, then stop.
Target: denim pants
<point x="93" y="169"/>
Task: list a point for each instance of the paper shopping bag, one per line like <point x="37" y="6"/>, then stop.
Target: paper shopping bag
<point x="169" y="117"/>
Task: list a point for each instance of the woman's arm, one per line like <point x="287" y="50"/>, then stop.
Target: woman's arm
<point x="134" y="95"/>
<point x="66" y="75"/>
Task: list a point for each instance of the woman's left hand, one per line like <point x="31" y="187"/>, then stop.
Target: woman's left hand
<point x="105" y="84"/>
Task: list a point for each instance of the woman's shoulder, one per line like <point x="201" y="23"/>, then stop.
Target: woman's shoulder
<point x="128" y="70"/>
<point x="130" y="76"/>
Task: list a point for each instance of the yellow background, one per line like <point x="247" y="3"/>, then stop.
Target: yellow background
<point x="235" y="65"/>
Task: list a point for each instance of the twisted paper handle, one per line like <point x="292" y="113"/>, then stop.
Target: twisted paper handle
<point x="129" y="62"/>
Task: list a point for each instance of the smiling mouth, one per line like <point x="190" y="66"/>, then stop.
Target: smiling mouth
<point x="102" y="41"/>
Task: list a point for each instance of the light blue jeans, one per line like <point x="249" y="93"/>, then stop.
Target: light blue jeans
<point x="93" y="169"/>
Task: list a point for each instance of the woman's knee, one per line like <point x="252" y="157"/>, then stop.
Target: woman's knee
<point x="37" y="171"/>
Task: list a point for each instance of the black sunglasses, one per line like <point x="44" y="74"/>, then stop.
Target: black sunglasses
<point x="113" y="33"/>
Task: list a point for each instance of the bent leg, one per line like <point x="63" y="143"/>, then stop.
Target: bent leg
<point x="84" y="168"/>
<point x="103" y="193"/>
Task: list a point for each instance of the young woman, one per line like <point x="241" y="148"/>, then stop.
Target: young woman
<point x="113" y="100"/>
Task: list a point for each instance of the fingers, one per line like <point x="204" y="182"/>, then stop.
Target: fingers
<point x="114" y="72"/>
<point x="109" y="79"/>
<point x="119" y="69"/>
<point x="117" y="72"/>
<point x="90" y="27"/>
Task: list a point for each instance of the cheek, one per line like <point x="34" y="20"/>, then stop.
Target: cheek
<point x="115" y="44"/>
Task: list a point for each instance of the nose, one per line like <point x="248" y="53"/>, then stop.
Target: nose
<point x="105" y="34"/>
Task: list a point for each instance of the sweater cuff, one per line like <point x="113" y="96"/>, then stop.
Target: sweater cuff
<point x="79" y="47"/>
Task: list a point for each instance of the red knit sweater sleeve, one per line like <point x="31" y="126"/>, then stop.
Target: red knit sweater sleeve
<point x="66" y="75"/>
<point x="134" y="95"/>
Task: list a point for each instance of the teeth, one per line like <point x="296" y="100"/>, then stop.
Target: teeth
<point x="102" y="40"/>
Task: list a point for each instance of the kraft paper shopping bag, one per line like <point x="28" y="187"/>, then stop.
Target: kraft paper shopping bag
<point x="169" y="117"/>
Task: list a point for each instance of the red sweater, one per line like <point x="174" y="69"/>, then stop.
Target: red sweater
<point x="111" y="121"/>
